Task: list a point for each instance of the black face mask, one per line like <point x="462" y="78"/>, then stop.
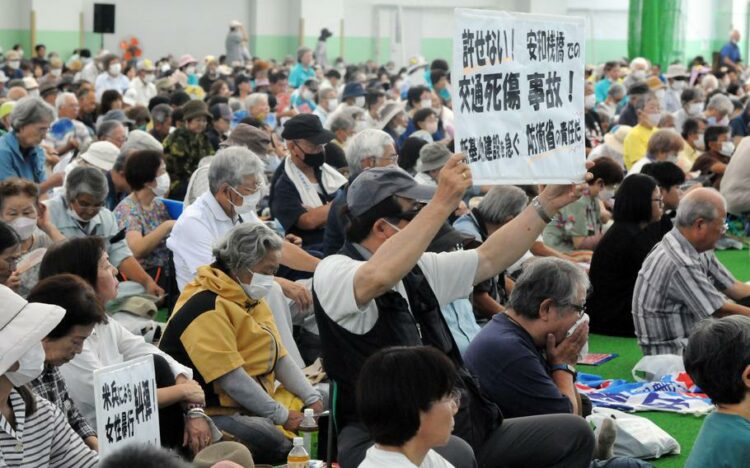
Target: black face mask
<point x="315" y="160"/>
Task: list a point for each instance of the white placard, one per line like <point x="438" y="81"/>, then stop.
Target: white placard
<point x="126" y="409"/>
<point x="518" y="96"/>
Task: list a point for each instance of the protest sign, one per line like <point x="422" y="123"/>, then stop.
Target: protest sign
<point x="126" y="409"/>
<point x="518" y="96"/>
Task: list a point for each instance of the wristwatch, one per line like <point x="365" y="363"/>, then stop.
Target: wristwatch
<point x="537" y="205"/>
<point x="565" y="368"/>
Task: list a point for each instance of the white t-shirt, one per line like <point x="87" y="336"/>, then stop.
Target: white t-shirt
<point x="379" y="458"/>
<point x="449" y="274"/>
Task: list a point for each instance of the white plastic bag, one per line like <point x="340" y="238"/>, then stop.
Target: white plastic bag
<point x="651" y="368"/>
<point x="637" y="437"/>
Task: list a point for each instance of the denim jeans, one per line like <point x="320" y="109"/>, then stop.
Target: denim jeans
<point x="266" y="442"/>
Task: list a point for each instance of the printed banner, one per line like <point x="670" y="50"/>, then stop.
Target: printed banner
<point x="126" y="409"/>
<point x="518" y="96"/>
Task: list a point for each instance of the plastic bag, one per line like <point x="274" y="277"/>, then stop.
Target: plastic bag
<point x="637" y="436"/>
<point x="651" y="368"/>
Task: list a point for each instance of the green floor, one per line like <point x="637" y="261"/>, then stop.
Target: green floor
<point x="681" y="427"/>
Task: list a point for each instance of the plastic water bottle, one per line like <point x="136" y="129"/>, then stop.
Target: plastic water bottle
<point x="309" y="431"/>
<point x="298" y="456"/>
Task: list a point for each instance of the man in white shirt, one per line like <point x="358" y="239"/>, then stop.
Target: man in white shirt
<point x="143" y="85"/>
<point x="111" y="78"/>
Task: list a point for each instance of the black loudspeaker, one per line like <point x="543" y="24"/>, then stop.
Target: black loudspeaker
<point x="104" y="18"/>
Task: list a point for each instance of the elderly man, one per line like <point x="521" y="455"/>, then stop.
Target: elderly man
<point x="610" y="105"/>
<point x="719" y="149"/>
<point x="342" y="125"/>
<point x="143" y="85"/>
<point x="730" y="53"/>
<point x="383" y="263"/>
<point x="718" y="110"/>
<point x="327" y="103"/>
<point x="663" y="145"/>
<point x="257" y="107"/>
<point x="112" y="131"/>
<point x="81" y="212"/>
<point x="524" y="358"/>
<point x="235" y="179"/>
<point x="161" y="118"/>
<point x="682" y="282"/>
<point x="67" y="133"/>
<point x="304" y="185"/>
<point x="369" y="148"/>
<point x="648" y="110"/>
<point x="87" y="102"/>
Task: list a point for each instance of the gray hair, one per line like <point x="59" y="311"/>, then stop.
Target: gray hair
<point x="255" y="99"/>
<point x="31" y="110"/>
<point x="644" y="99"/>
<point x="302" y="51"/>
<point x="246" y="245"/>
<point x="86" y="180"/>
<point x="107" y="128"/>
<point x="231" y="165"/>
<point x="161" y="112"/>
<point x="616" y="89"/>
<point x="61" y="98"/>
<point x="341" y="122"/>
<point x="501" y="203"/>
<point x="692" y="208"/>
<point x="326" y="92"/>
<point x="547" y="278"/>
<point x="721" y="104"/>
<point x="369" y="143"/>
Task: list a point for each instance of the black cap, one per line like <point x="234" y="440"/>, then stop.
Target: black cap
<point x="306" y="127"/>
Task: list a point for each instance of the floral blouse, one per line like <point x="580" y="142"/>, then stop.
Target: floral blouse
<point x="131" y="216"/>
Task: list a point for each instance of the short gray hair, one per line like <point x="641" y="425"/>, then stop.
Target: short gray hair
<point x="107" y="128"/>
<point x="31" y="110"/>
<point x="61" y="98"/>
<point x="341" y="122"/>
<point x="255" y="99"/>
<point x="302" y="51"/>
<point x="246" y="245"/>
<point x="161" y="112"/>
<point x="326" y="91"/>
<point x="692" y="208"/>
<point x="547" y="278"/>
<point x="368" y="143"/>
<point x="501" y="203"/>
<point x="616" y="89"/>
<point x="231" y="165"/>
<point x="86" y="180"/>
<point x="720" y="103"/>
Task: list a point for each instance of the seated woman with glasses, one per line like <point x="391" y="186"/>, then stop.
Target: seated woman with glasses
<point x="406" y="397"/>
<point x="80" y="212"/>
<point x="10" y="252"/>
<point x="620" y="254"/>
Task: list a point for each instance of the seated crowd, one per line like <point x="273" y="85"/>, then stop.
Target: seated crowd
<point x="285" y="212"/>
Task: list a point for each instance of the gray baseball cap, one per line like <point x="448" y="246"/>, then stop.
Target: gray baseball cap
<point x="375" y="185"/>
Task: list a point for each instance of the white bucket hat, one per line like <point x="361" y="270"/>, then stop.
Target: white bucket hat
<point x="22" y="325"/>
<point x="101" y="154"/>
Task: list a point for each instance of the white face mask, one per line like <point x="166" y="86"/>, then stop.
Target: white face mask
<point x="24" y="226"/>
<point x="149" y="78"/>
<point x="425" y="103"/>
<point x="660" y="94"/>
<point x="727" y="148"/>
<point x="249" y="202"/>
<point x="359" y="101"/>
<point x="114" y="69"/>
<point x="190" y="69"/>
<point x="30" y="366"/>
<point x="308" y="95"/>
<point x="259" y="285"/>
<point x="400" y="129"/>
<point x="75" y="216"/>
<point x="695" y="108"/>
<point x="639" y="75"/>
<point x="431" y="127"/>
<point x="14" y="64"/>
<point x="672" y="158"/>
<point x="361" y="125"/>
<point x="165" y="67"/>
<point x="699" y="143"/>
<point x="606" y="194"/>
<point x="589" y="101"/>
<point x="56" y="71"/>
<point x="654" y="118"/>
<point x="162" y="185"/>
<point x="333" y="103"/>
<point x="678" y="85"/>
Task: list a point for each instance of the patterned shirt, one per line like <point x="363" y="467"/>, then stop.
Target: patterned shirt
<point x="183" y="150"/>
<point x="131" y="216"/>
<point x="51" y="386"/>
<point x="43" y="439"/>
<point x="676" y="288"/>
<point x="581" y="218"/>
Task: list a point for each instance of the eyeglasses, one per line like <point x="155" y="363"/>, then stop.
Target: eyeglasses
<point x="406" y="215"/>
<point x="393" y="159"/>
<point x="580" y="308"/>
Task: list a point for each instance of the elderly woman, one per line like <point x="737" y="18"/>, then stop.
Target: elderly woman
<point x="664" y="145"/>
<point x="20" y="152"/>
<point x="144" y="217"/>
<point x="620" y="254"/>
<point x="110" y="343"/>
<point x="10" y="252"/>
<point x="33" y="431"/>
<point x="224" y="330"/>
<point x="406" y="421"/>
<point x="80" y="212"/>
<point x="20" y="208"/>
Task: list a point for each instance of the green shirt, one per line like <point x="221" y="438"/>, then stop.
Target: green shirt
<point x="183" y="150"/>
<point x="724" y="441"/>
<point x="581" y="218"/>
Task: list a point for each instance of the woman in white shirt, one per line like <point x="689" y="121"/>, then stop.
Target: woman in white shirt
<point x="406" y="397"/>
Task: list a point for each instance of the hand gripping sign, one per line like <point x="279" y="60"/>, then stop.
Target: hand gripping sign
<point x="518" y="84"/>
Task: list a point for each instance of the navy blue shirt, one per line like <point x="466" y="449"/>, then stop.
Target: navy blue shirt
<point x="512" y="372"/>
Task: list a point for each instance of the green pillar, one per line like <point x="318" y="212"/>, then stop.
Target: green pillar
<point x="654" y="30"/>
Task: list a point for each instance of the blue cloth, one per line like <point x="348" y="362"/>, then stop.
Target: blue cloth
<point x="411" y="128"/>
<point x="459" y="316"/>
<point x="739" y="125"/>
<point x="299" y="75"/>
<point x="298" y="101"/>
<point x="731" y="51"/>
<point x="512" y="372"/>
<point x="724" y="441"/>
<point x="14" y="164"/>
<point x="601" y="89"/>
